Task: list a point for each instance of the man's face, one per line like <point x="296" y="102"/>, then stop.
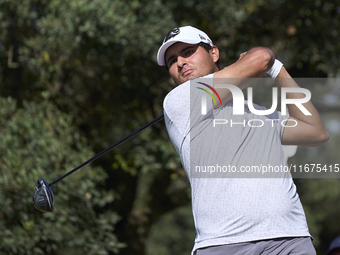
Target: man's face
<point x="189" y="61"/>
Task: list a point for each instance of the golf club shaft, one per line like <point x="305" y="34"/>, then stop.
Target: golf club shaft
<point x="160" y="117"/>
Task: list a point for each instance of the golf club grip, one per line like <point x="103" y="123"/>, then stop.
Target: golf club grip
<point x="160" y="117"/>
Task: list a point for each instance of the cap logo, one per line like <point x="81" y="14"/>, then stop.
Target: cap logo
<point x="172" y="33"/>
<point x="202" y="37"/>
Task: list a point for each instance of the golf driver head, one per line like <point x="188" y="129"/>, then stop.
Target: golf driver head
<point x="43" y="198"/>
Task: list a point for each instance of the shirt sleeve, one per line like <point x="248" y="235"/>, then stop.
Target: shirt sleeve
<point x="182" y="109"/>
<point x="278" y="120"/>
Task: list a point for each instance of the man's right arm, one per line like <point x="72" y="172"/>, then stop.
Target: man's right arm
<point x="251" y="64"/>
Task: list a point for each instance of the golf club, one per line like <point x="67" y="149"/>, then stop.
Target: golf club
<point x="43" y="198"/>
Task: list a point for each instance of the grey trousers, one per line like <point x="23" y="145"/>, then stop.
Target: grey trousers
<point x="282" y="246"/>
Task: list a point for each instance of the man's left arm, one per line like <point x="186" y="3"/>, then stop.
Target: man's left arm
<point x="309" y="130"/>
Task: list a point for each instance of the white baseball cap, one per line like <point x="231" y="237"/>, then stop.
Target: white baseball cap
<point x="187" y="34"/>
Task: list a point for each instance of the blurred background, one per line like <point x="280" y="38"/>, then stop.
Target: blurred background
<point x="78" y="75"/>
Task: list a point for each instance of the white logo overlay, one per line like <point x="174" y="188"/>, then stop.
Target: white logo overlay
<point x="238" y="100"/>
<point x="243" y="137"/>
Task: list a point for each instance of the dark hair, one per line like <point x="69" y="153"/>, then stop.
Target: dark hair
<point x="207" y="47"/>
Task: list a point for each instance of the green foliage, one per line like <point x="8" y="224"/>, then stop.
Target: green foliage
<point x="323" y="219"/>
<point x="39" y="141"/>
<point x="179" y="221"/>
<point x="95" y="60"/>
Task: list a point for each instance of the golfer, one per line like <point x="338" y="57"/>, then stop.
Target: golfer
<point x="236" y="215"/>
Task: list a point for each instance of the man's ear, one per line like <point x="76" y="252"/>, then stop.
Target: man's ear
<point x="215" y="53"/>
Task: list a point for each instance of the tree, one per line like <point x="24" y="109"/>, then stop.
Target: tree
<point x="78" y="223"/>
<point x="96" y="61"/>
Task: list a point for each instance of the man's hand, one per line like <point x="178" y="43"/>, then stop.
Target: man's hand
<point x="251" y="64"/>
<point x="242" y="55"/>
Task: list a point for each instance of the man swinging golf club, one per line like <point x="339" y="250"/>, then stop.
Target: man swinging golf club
<point x="236" y="215"/>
